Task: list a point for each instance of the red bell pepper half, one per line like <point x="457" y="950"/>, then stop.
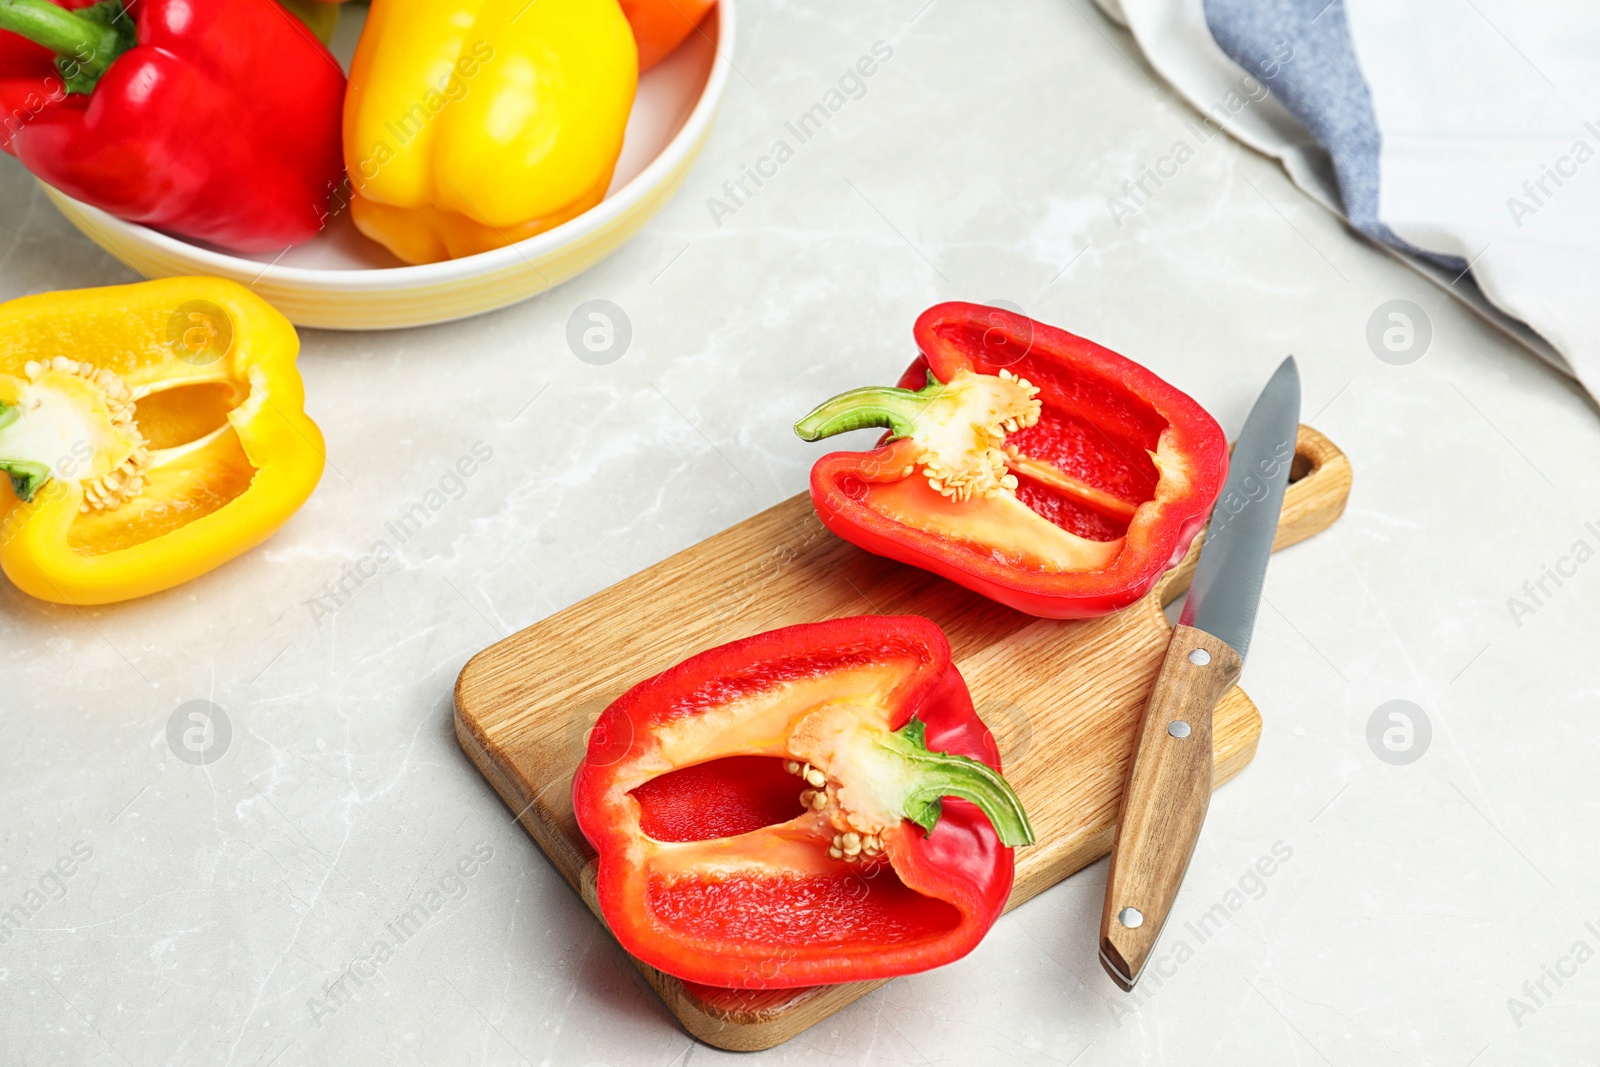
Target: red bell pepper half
<point x="1032" y="466"/>
<point x="216" y="120"/>
<point x="814" y="804"/>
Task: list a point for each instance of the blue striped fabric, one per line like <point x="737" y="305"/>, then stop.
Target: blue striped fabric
<point x="1324" y="88"/>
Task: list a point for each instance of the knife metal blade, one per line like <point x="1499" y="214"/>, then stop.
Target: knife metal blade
<point x="1233" y="560"/>
<point x="1168" y="788"/>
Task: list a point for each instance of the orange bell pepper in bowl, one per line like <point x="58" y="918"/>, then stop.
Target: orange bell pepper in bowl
<point x="659" y="26"/>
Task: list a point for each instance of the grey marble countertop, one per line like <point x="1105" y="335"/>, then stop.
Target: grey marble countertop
<point x="1439" y="911"/>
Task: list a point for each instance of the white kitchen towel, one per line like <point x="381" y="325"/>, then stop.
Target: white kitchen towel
<point x="1463" y="135"/>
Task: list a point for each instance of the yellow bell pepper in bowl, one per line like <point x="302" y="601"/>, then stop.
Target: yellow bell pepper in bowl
<point x="474" y="124"/>
<point x="151" y="432"/>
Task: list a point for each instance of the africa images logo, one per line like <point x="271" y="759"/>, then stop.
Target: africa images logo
<point x="49" y="886"/>
<point x="450" y="888"/>
<point x="851" y="85"/>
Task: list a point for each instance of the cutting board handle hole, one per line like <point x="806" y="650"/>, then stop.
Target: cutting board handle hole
<point x="1305" y="463"/>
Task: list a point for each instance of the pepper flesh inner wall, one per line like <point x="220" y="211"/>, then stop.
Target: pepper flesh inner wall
<point x="723" y="798"/>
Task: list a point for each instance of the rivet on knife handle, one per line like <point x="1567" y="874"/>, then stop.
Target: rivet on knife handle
<point x="1164" y="800"/>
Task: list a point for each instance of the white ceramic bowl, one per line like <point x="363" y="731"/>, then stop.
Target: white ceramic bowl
<point x="342" y="281"/>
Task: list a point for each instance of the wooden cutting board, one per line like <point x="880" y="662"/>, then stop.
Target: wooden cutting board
<point x="1063" y="698"/>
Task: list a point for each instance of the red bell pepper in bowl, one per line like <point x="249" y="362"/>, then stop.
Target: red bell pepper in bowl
<point x="1027" y="464"/>
<point x="215" y="120"/>
<point x="811" y="805"/>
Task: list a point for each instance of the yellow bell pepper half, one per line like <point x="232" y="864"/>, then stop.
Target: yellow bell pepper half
<point x="151" y="432"/>
<point x="472" y="124"/>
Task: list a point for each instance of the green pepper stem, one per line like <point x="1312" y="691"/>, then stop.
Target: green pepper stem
<point x="85" y="41"/>
<point x="943" y="774"/>
<point x="27" y="477"/>
<point x="883" y="406"/>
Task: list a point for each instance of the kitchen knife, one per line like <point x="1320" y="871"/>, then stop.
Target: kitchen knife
<point x="1168" y="787"/>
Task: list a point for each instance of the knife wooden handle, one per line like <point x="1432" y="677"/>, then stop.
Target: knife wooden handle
<point x="1164" y="799"/>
